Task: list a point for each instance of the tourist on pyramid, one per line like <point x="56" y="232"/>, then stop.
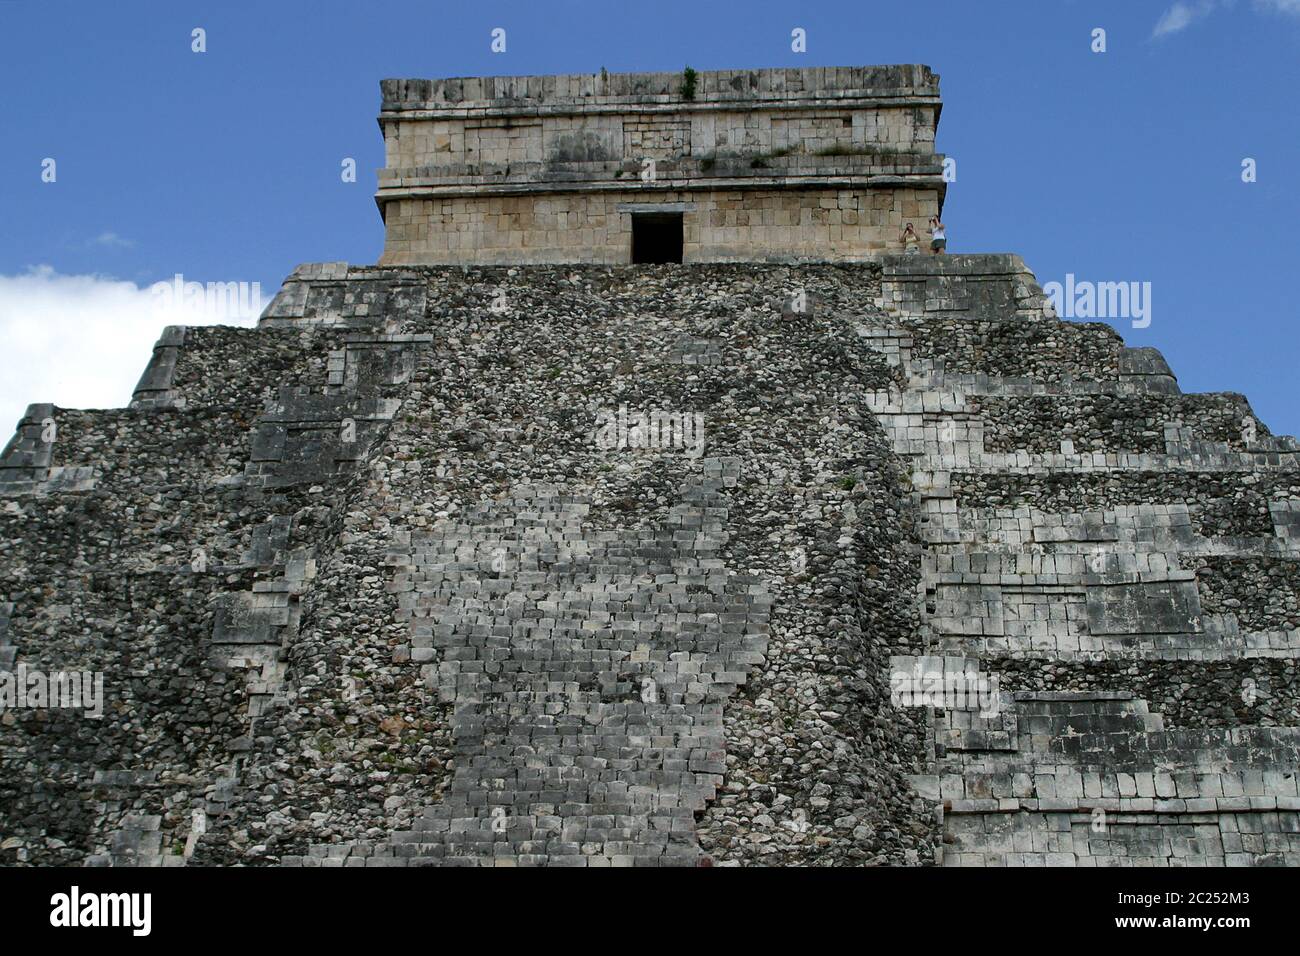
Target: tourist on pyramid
<point x="910" y="240"/>
<point x="938" y="236"/>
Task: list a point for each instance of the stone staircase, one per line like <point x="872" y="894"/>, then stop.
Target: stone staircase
<point x="587" y="670"/>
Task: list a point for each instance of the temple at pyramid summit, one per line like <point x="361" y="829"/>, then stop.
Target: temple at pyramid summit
<point x="651" y="503"/>
<point x="730" y="166"/>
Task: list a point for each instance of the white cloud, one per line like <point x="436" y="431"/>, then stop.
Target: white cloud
<point x="1181" y="15"/>
<point x="111" y="240"/>
<point x="1186" y="12"/>
<point x="81" y="341"/>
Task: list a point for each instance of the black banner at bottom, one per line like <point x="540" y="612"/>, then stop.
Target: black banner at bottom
<point x="340" y="905"/>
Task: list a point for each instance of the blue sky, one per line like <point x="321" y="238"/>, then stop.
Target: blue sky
<point x="224" y="166"/>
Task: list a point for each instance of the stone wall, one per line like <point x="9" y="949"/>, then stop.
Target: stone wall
<point x="693" y="668"/>
<point x="766" y="165"/>
<point x="1118" y="556"/>
<point x="366" y="590"/>
<point x="717" y="226"/>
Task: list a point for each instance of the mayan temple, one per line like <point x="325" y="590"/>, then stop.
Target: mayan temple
<point x="647" y="505"/>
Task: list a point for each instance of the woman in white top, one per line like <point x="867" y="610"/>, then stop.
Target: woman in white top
<point x="938" y="236"/>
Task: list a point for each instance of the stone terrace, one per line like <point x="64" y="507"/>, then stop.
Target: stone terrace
<point x="1113" y="551"/>
<point x="367" y="592"/>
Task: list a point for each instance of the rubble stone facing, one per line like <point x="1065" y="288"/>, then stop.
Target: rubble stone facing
<point x="1102" y="422"/>
<point x="366" y="591"/>
<point x="1218" y="504"/>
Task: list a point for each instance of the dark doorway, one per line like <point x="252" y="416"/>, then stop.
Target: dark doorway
<point x="656" y="237"/>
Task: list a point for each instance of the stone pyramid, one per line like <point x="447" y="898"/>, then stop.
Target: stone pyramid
<point x="775" y="562"/>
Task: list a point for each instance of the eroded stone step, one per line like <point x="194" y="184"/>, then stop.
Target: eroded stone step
<point x="583" y="688"/>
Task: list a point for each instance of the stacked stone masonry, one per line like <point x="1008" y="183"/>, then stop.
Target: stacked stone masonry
<point x="586" y="671"/>
<point x="1084" y="522"/>
<point x="366" y="590"/>
<point x="762" y="165"/>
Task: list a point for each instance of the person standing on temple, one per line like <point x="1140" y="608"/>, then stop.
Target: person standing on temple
<point x="910" y="240"/>
<point x="938" y="236"/>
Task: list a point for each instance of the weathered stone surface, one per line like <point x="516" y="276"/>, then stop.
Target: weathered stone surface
<point x="1089" y="531"/>
<point x="434" y="646"/>
<point x="714" y="564"/>
<point x="763" y="165"/>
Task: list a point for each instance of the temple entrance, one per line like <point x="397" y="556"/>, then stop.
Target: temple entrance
<point x="656" y="237"/>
